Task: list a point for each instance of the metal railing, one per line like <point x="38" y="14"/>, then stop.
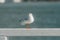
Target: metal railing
<point x="30" y="32"/>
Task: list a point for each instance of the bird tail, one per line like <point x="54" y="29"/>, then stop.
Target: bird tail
<point x="22" y="23"/>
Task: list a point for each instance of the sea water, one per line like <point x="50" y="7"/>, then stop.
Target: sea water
<point x="46" y="14"/>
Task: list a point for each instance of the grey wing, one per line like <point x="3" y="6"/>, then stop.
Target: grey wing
<point x="22" y="22"/>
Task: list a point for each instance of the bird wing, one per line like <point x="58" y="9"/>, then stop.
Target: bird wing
<point x="23" y="21"/>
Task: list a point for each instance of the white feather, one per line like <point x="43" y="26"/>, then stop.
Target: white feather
<point x="29" y="21"/>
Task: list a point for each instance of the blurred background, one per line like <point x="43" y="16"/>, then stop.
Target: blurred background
<point x="45" y="12"/>
<point x="35" y="38"/>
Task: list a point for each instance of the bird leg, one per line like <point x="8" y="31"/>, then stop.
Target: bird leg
<point x="27" y="26"/>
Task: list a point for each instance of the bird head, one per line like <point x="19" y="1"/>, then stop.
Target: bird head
<point x="30" y="14"/>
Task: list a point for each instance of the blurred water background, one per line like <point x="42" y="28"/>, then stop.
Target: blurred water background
<point x="34" y="38"/>
<point x="46" y="14"/>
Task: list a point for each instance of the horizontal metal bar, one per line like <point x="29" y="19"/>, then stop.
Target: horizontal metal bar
<point x="30" y="32"/>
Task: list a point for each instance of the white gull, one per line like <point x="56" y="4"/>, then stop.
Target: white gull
<point x="28" y="21"/>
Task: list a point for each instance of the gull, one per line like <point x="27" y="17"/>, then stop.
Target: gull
<point x="27" y="21"/>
